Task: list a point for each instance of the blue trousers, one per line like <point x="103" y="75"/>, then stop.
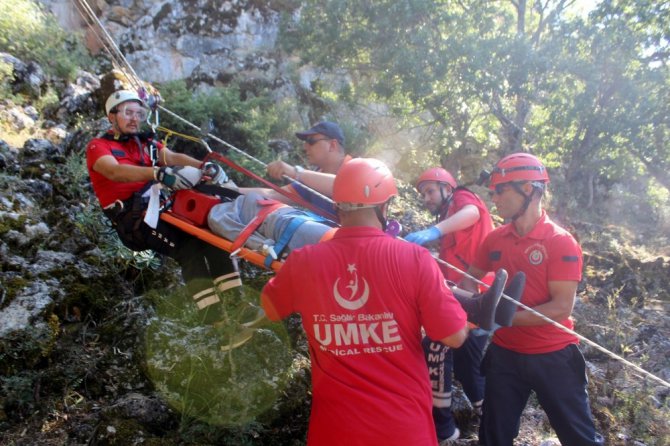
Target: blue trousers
<point x="559" y="381"/>
<point x="464" y="362"/>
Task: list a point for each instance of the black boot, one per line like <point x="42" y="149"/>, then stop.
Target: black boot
<point x="481" y="307"/>
<point x="506" y="308"/>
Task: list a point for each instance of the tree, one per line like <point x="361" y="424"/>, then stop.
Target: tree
<point x="491" y="78"/>
<point x="608" y="111"/>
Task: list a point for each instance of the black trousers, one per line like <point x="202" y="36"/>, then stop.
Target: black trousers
<point x="559" y="381"/>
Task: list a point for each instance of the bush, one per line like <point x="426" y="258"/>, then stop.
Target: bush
<point x="5" y="79"/>
<point x="244" y="124"/>
<point x="32" y="34"/>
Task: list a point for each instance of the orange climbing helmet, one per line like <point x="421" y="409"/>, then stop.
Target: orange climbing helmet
<point x="363" y="182"/>
<point x="518" y="167"/>
<point x="437" y="174"/>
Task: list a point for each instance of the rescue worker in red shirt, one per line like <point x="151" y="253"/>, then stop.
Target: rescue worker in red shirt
<point x="533" y="355"/>
<point x="363" y="297"/>
<point x="462" y="222"/>
<point x="123" y="164"/>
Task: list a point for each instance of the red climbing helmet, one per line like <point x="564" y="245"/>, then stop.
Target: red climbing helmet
<point x="438" y="175"/>
<point x="363" y="182"/>
<point x="518" y="167"/>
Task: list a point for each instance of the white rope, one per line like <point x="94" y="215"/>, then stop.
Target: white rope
<point x="240" y="151"/>
<point x="120" y="60"/>
<point x="106" y="40"/>
<point x="561" y="327"/>
<point x="116" y="54"/>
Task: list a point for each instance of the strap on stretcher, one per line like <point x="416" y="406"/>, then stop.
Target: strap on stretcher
<point x="290" y="229"/>
<point x="217" y="241"/>
<point x="269" y="206"/>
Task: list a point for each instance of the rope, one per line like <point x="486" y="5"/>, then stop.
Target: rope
<point x="119" y="58"/>
<point x="290" y="195"/>
<point x="241" y="152"/>
<point x="169" y="133"/>
<point x="561" y="327"/>
<point x="107" y="42"/>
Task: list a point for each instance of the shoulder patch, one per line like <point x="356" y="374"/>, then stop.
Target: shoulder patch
<point x="570" y="259"/>
<point x="119" y="153"/>
<point x="495" y="255"/>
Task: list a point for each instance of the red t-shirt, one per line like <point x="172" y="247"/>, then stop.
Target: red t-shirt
<point x="459" y="248"/>
<point x="363" y="298"/>
<point x="125" y="152"/>
<point x="547" y="253"/>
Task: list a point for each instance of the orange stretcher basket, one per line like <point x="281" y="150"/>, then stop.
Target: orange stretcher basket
<point x="208" y="236"/>
<point x="189" y="214"/>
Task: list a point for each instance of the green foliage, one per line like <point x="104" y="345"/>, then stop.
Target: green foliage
<point x="18" y="391"/>
<point x="75" y="176"/>
<point x="202" y="382"/>
<point x="30" y="33"/>
<point x="244" y="124"/>
<point x="96" y="227"/>
<point x="5" y="79"/>
<point x="635" y="408"/>
<point x="10" y="222"/>
<point x="588" y="94"/>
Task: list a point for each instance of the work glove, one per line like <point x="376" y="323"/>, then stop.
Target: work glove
<point x="215" y="173"/>
<point x="425" y="236"/>
<point x="179" y="177"/>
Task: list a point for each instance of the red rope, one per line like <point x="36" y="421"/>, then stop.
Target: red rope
<point x="291" y="196"/>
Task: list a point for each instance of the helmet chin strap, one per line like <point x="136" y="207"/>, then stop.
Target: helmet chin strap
<point x="381" y="218"/>
<point x="444" y="203"/>
<point x="379" y="212"/>
<point x="526" y="200"/>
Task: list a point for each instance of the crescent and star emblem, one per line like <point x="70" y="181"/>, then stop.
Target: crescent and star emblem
<point x="351" y="303"/>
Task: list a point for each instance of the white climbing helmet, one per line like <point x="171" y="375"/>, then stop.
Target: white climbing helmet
<point x="121" y="96"/>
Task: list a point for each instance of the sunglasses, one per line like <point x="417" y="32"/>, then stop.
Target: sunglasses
<point x="500" y="189"/>
<point x="312" y="141"/>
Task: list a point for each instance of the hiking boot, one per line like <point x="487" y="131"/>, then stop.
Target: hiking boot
<point x="506" y="308"/>
<point x="481" y="307"/>
<point x="450" y="440"/>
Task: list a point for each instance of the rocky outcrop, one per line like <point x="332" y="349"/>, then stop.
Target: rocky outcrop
<point x="79" y="311"/>
<point x="209" y="42"/>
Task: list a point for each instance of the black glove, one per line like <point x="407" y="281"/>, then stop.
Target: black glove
<point x="215" y="173"/>
<point x="481" y="307"/>
<point x="179" y="177"/>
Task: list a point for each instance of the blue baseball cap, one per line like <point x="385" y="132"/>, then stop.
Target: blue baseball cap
<point x="325" y="128"/>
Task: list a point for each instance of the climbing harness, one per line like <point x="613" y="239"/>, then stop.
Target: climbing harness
<point x="153" y="101"/>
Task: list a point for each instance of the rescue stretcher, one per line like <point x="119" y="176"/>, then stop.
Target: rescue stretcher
<point x="190" y="208"/>
<point x="189" y="213"/>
